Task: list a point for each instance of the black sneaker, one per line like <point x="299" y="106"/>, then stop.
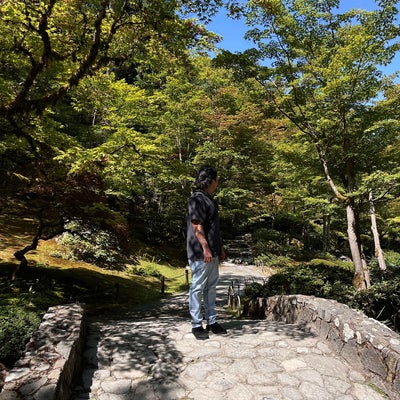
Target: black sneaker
<point x="216" y="328"/>
<point x="200" y="333"/>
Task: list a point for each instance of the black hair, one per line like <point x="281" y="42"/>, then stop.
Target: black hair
<point x="205" y="175"/>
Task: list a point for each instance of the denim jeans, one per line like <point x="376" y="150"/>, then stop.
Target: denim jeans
<point x="203" y="287"/>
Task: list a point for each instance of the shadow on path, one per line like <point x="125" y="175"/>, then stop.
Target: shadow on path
<point x="141" y="352"/>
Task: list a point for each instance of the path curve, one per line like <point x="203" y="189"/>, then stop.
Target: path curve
<point x="149" y="353"/>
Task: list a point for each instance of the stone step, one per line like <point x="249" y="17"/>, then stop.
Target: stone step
<point x="238" y="249"/>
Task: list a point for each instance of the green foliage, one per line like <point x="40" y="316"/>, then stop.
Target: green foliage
<point x="90" y="244"/>
<point x="273" y="246"/>
<point x="108" y="125"/>
<point x="321" y="68"/>
<point x="61" y="42"/>
<point x="145" y="270"/>
<point x="319" y="278"/>
<point x="382" y="300"/>
<point x="333" y="280"/>
<point x="62" y="110"/>
<point x="392" y="259"/>
<point x="272" y="261"/>
<point x="253" y="290"/>
<point x="16" y="326"/>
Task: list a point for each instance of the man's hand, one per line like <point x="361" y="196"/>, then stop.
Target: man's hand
<point x="207" y="255"/>
<point x="222" y="255"/>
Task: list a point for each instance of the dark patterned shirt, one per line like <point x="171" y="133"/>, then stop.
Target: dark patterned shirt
<point x="203" y="209"/>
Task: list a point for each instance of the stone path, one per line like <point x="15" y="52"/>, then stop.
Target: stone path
<point x="150" y="353"/>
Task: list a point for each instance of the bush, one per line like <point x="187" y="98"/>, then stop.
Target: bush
<point x="272" y="261"/>
<point x="16" y="327"/>
<point x="253" y="290"/>
<point x="382" y="300"/>
<point x="265" y="235"/>
<point x="270" y="241"/>
<point x="92" y="245"/>
<point x="319" y="278"/>
<point x="393" y="267"/>
<point x="146" y="271"/>
<point x="334" y="280"/>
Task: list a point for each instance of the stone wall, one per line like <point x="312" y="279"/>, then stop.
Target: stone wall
<point x="363" y="342"/>
<point x="53" y="354"/>
<point x="51" y="359"/>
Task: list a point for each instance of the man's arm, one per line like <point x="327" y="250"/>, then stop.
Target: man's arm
<point x="201" y="237"/>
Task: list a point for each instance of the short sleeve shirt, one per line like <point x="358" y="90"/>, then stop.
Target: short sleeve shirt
<point x="202" y="208"/>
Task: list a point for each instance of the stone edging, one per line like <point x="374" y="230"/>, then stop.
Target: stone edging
<point x="363" y="342"/>
<point x="53" y="354"/>
<point x="51" y="359"/>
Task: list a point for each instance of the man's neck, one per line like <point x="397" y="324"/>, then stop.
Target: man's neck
<point x="205" y="191"/>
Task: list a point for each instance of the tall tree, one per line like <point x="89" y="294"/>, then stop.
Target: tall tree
<point x="320" y="67"/>
<point x="231" y="134"/>
<point x="47" y="48"/>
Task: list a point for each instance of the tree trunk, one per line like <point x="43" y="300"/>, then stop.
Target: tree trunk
<point x="359" y="280"/>
<point x="361" y="274"/>
<point x="20" y="254"/>
<point x="326" y="233"/>
<point x="367" y="277"/>
<point x="374" y="228"/>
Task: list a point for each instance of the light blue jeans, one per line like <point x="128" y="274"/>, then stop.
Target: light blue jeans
<point x="203" y="287"/>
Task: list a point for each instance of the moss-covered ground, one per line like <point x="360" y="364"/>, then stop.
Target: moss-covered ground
<point x="50" y="281"/>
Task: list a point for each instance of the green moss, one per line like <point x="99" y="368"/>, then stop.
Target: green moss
<point x="43" y="286"/>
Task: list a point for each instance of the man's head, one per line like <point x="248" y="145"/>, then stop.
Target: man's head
<point x="207" y="178"/>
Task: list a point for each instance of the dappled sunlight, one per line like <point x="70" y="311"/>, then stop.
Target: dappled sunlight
<point x="271" y="328"/>
<point x="74" y="280"/>
<point x="14" y="234"/>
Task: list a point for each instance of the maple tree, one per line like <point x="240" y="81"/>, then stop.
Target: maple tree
<point x="320" y="68"/>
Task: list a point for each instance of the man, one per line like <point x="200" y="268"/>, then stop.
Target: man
<point x="204" y="251"/>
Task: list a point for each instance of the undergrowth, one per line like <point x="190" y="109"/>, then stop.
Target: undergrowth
<point x="50" y="281"/>
<point x="334" y="280"/>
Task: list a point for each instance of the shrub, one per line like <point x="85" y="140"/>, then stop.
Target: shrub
<point x="92" y="245"/>
<point x="16" y="327"/>
<point x="270" y="241"/>
<point x="253" y="290"/>
<point x="317" y="278"/>
<point x="382" y="300"/>
<point x="146" y="271"/>
<point x="272" y="261"/>
<point x="264" y="235"/>
<point x="393" y="267"/>
<point x="334" y="280"/>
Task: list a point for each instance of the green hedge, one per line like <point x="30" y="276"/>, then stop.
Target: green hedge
<point x="382" y="300"/>
<point x="334" y="280"/>
<point x="319" y="278"/>
<point x="16" y="328"/>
